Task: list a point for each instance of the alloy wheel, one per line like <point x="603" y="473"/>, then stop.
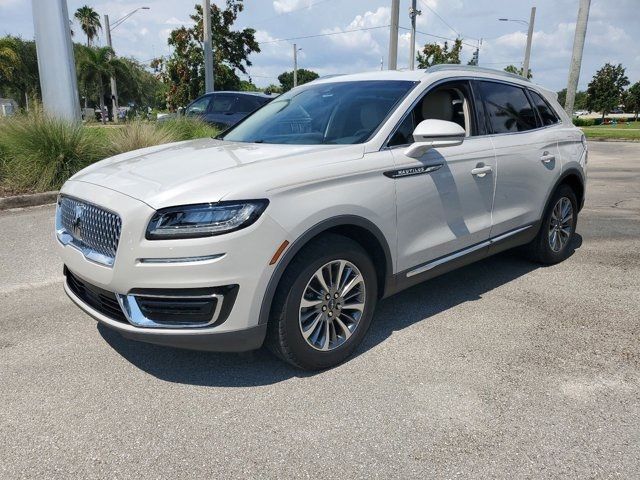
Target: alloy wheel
<point x="332" y="305"/>
<point x="561" y="224"/>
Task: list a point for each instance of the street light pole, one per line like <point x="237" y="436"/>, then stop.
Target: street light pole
<point x="114" y="88"/>
<point x="393" y="35"/>
<point x="576" y="56"/>
<point x="527" y="52"/>
<point x="295" y="65"/>
<point x="207" y="46"/>
<point x="413" y="13"/>
<point x="108" y="28"/>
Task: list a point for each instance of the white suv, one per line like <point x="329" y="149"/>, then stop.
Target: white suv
<point x="291" y="225"/>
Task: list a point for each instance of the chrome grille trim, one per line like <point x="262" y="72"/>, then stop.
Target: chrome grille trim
<point x="93" y="230"/>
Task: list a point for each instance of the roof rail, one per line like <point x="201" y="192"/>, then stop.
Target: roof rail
<point x="466" y="68"/>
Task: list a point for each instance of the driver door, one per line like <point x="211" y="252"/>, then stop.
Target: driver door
<point x="445" y="198"/>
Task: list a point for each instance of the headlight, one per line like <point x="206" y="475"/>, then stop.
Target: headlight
<point x="204" y="220"/>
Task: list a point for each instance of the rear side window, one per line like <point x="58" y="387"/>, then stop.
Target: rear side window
<point x="547" y="114"/>
<point x="246" y="104"/>
<point x="507" y="108"/>
<point x="222" y="103"/>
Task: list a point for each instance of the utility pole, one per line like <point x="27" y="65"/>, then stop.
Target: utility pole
<point x="207" y="47"/>
<point x="393" y="35"/>
<point x="527" y="53"/>
<point x="55" y="59"/>
<point x="413" y="13"/>
<point x="295" y="65"/>
<point x="114" y="88"/>
<point x="576" y="56"/>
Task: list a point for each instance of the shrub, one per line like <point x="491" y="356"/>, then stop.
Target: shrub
<point x="583" y="122"/>
<point x="185" y="128"/>
<point x="41" y="152"/>
<point x="135" y="135"/>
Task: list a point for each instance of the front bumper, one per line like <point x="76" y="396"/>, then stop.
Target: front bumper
<point x="194" y="339"/>
<point x="240" y="259"/>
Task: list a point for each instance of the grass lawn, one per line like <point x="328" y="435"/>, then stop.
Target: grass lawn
<point x="621" y="131"/>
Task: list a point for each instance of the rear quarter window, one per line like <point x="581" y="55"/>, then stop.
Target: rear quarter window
<point x="547" y="113"/>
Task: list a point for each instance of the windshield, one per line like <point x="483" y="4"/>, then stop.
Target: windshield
<point x="324" y="113"/>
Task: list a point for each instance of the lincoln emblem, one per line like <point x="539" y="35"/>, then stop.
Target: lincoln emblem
<point x="77" y="220"/>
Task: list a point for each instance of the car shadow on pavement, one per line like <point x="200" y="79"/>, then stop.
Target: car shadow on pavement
<point x="416" y="304"/>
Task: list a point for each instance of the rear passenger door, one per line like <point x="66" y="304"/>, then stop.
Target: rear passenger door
<point x="527" y="158"/>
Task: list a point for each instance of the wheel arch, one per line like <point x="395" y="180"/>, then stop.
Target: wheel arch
<point x="359" y="229"/>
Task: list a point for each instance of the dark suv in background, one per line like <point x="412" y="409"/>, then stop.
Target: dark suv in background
<point x="225" y="109"/>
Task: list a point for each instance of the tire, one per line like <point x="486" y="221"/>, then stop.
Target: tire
<point x="544" y="249"/>
<point x="291" y="321"/>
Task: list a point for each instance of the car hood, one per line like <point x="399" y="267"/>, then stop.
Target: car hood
<point x="205" y="170"/>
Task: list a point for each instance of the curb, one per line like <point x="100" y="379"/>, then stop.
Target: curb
<point x="30" y="200"/>
<point x="619" y="140"/>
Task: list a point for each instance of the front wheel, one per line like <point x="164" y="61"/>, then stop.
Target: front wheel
<point x="552" y="244"/>
<point x="324" y="303"/>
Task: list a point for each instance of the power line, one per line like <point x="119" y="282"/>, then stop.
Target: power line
<point x="324" y="34"/>
<point x="440" y="37"/>
<point x="442" y="19"/>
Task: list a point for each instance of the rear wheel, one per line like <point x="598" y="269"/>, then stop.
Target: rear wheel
<point x="324" y="303"/>
<point x="552" y="244"/>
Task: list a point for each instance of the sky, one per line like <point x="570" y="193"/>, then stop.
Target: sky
<point x="612" y="35"/>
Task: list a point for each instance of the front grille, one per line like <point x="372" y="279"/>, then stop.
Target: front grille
<point x="92" y="229"/>
<point x="101" y="300"/>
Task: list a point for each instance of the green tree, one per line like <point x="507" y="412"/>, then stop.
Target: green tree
<point x="95" y="66"/>
<point x="273" y="89"/>
<point x="19" y="69"/>
<point x="580" y="102"/>
<point x="434" y="54"/>
<point x="304" y="76"/>
<point x="248" y="86"/>
<point x="183" y="71"/>
<point x="517" y="71"/>
<point x="605" y="89"/>
<point x="89" y="22"/>
<point x="631" y="99"/>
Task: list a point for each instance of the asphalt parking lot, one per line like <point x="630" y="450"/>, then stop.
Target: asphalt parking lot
<point x="502" y="369"/>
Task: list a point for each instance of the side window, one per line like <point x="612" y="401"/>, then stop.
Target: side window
<point x="245" y="104"/>
<point x="507" y="108"/>
<point x="547" y="114"/>
<point x="451" y="102"/>
<point x="199" y="106"/>
<point x="222" y="103"/>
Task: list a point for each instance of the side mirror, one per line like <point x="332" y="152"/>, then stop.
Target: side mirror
<point x="434" y="134"/>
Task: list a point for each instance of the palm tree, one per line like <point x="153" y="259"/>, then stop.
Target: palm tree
<point x="89" y="21"/>
<point x="96" y="65"/>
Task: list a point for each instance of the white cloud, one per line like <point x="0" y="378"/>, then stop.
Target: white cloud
<point x="363" y="40"/>
<point x="285" y="6"/>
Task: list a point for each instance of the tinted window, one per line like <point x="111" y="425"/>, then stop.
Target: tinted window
<point x="222" y="103"/>
<point x="547" y="114"/>
<point x="322" y="113"/>
<point x="246" y="104"/>
<point x="507" y="108"/>
<point x="199" y="106"/>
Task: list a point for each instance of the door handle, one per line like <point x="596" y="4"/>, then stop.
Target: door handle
<point x="481" y="171"/>
<point x="547" y="158"/>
